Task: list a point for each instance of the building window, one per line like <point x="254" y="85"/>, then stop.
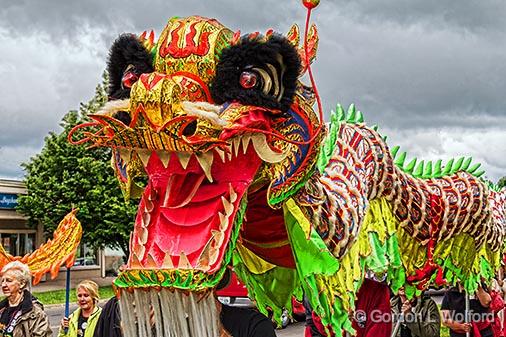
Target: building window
<point x="18" y="244"/>
<point x="86" y="256"/>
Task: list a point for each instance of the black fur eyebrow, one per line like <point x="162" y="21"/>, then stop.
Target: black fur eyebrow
<point x="256" y="53"/>
<point x="126" y="50"/>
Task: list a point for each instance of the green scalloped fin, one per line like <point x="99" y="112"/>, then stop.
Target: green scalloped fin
<point x="186" y="280"/>
<point x="272" y="291"/>
<point x="429" y="170"/>
<point x="352" y="116"/>
<point x="329" y="143"/>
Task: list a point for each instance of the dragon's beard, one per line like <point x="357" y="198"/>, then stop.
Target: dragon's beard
<point x="169" y="313"/>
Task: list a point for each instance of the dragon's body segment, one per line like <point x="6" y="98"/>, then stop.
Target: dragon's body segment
<point x="240" y="171"/>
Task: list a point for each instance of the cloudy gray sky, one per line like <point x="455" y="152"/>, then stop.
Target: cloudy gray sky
<point x="431" y="73"/>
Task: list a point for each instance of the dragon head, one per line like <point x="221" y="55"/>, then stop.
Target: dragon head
<point x="209" y="117"/>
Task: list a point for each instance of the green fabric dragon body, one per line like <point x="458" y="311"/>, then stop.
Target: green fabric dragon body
<point x="241" y="172"/>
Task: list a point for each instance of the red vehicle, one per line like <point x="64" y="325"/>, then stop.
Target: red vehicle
<point x="235" y="293"/>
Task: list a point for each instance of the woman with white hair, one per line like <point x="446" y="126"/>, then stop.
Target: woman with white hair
<point x="21" y="315"/>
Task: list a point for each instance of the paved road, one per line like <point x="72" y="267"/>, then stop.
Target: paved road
<point x="293" y="330"/>
<point x="55" y="314"/>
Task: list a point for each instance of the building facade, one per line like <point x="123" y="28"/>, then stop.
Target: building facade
<point x="18" y="239"/>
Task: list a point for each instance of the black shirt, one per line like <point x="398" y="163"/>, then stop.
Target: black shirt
<point x="8" y="317"/>
<point x="455" y="302"/>
<point x="241" y="322"/>
<point x="82" y="324"/>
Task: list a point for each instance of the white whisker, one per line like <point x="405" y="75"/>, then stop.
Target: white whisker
<point x="204" y="110"/>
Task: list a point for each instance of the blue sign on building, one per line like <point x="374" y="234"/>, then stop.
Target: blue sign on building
<point x="8" y="201"/>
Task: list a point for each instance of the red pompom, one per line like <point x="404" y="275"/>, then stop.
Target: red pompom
<point x="310" y="4"/>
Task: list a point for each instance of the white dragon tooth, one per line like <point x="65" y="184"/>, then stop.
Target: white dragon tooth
<point x="144" y="155"/>
<point x="145" y="219"/>
<point x="206" y="162"/>
<point x="151" y="262"/>
<point x="153" y="194"/>
<point x="135" y="261"/>
<point x="139" y="251"/>
<point x="203" y="262"/>
<point x="142" y="236"/>
<point x="131" y="242"/>
<point x="148" y="205"/>
<point x="236" y="143"/>
<point x="125" y="155"/>
<point x="245" y="142"/>
<point x="164" y="157"/>
<point x="220" y="153"/>
<point x="184" y="159"/>
<point x="183" y="262"/>
<point x="213" y="255"/>
<point x="223" y="221"/>
<point x="167" y="262"/>
<point x="230" y="151"/>
<point x="233" y="195"/>
<point x="229" y="208"/>
<point x="264" y="151"/>
<point x="218" y="237"/>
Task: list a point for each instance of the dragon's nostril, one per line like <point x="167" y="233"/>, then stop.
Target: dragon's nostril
<point x="123" y="116"/>
<point x="190" y="129"/>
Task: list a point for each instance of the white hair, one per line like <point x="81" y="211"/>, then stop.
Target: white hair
<point x="21" y="272"/>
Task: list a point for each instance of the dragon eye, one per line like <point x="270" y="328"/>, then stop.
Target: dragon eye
<point x="248" y="80"/>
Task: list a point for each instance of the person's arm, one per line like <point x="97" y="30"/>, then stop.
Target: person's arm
<point x="483" y="296"/>
<point x="65" y="323"/>
<point x="429" y="325"/>
<point x="41" y="327"/>
<point x="453" y="325"/>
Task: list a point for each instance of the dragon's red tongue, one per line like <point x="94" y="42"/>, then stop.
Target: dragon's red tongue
<point x="181" y="189"/>
<point x="185" y="219"/>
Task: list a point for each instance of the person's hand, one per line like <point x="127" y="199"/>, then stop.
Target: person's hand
<point x="406" y="307"/>
<point x="462" y="327"/>
<point x="64" y="322"/>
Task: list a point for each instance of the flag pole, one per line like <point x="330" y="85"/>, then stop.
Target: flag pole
<point x="67" y="296"/>
<point x="468" y="333"/>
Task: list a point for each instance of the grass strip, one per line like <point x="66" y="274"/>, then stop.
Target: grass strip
<point x="58" y="296"/>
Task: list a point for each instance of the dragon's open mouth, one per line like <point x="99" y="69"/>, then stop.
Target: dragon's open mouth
<point x="197" y="194"/>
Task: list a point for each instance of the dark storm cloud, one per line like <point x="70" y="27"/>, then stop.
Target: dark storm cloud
<point x="431" y="69"/>
<point x="63" y="18"/>
<point x="465" y="15"/>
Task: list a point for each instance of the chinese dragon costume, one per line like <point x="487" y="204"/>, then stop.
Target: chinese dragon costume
<point x="239" y="170"/>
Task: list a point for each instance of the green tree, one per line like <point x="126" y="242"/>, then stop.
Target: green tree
<point x="65" y="176"/>
<point x="502" y="182"/>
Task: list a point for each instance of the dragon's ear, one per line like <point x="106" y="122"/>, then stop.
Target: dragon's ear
<point x="257" y="70"/>
<point x="129" y="57"/>
<point x="312" y="44"/>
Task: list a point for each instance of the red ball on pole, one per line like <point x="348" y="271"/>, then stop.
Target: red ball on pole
<point x="310" y="4"/>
